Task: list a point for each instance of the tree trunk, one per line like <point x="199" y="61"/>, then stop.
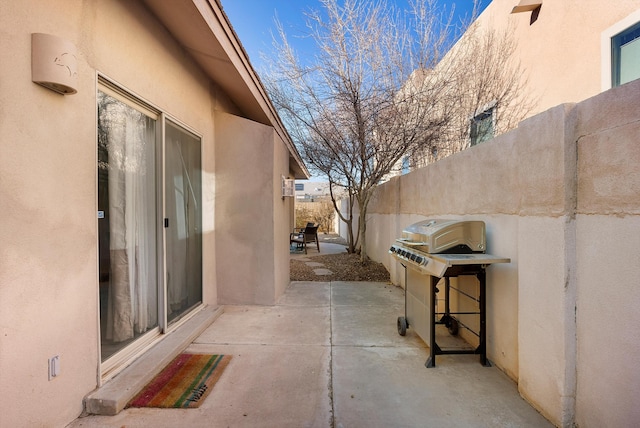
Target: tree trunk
<point x="362" y="231"/>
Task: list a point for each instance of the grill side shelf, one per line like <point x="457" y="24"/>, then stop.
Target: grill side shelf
<point x="437" y="264"/>
<point x="469" y="259"/>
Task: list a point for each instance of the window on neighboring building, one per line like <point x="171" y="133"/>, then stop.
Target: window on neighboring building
<point x="482" y="128"/>
<point x="406" y="165"/>
<point x="625" y="56"/>
<point x="300" y="187"/>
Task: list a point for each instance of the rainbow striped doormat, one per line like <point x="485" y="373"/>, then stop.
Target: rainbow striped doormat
<point x="184" y="383"/>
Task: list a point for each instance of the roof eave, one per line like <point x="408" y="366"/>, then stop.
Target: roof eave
<point x="204" y="30"/>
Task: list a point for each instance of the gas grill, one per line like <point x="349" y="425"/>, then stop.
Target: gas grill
<point x="437" y="249"/>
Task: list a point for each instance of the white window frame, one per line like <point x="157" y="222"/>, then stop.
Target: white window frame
<point x="605" y="46"/>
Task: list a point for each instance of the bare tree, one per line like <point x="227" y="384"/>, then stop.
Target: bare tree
<point x="344" y="107"/>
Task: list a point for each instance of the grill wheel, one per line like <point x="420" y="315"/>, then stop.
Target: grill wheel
<point x="402" y="326"/>
<point x="452" y="326"/>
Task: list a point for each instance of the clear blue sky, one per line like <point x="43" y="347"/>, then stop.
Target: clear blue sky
<point x="253" y="20"/>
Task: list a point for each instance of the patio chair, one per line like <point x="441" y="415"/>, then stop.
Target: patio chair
<point x="305" y="236"/>
<point x="301" y="229"/>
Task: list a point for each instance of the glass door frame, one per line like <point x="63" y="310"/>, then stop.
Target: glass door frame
<point x="121" y="359"/>
<point x="163" y="296"/>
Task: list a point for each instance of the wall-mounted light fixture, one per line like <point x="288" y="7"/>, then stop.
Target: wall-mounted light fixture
<point x="54" y="63"/>
<point x="527" y="6"/>
<point x="288" y="187"/>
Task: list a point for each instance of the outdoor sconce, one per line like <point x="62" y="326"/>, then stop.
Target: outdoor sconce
<point x="54" y="63"/>
<point x="288" y="187"/>
<point x="527" y="6"/>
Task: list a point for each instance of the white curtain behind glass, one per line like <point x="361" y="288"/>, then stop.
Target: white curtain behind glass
<point x="132" y="296"/>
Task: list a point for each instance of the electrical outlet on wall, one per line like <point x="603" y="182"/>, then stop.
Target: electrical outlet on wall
<point x="54" y="366"/>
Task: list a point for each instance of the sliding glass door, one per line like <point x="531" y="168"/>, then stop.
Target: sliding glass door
<point x="149" y="222"/>
<point x="183" y="222"/>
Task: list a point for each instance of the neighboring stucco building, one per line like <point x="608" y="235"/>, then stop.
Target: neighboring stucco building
<point x="522" y="57"/>
<point x="570" y="49"/>
<point x="137" y="203"/>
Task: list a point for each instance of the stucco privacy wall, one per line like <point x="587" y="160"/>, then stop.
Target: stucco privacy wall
<point x="511" y="195"/>
<point x="48" y="226"/>
<point x="560" y="197"/>
<point x="608" y="259"/>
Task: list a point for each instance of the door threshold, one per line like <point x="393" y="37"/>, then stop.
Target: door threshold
<point x="114" y="395"/>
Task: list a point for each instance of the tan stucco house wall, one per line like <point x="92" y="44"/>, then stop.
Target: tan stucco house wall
<point x="183" y="59"/>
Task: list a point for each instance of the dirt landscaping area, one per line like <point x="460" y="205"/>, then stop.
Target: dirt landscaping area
<point x="345" y="267"/>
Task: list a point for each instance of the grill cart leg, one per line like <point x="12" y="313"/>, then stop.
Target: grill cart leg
<point x="403" y="322"/>
<point x="431" y="361"/>
<point x="452" y="323"/>
<point x="482" y="347"/>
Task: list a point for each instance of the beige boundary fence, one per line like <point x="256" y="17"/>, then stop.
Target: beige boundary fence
<point x="561" y="197"/>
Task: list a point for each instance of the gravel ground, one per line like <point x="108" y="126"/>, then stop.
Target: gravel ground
<point x="345" y="267"/>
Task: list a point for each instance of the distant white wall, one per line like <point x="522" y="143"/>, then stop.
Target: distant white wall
<point x="311" y="189"/>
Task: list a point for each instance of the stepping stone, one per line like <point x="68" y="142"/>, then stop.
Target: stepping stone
<point x="314" y="264"/>
<point x="322" y="271"/>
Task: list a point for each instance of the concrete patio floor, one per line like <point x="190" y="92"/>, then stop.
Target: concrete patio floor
<point x="329" y="355"/>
